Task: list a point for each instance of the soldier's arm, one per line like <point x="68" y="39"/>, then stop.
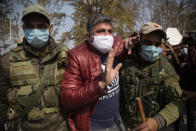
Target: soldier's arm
<point x="172" y="98"/>
<point x="4" y="85"/>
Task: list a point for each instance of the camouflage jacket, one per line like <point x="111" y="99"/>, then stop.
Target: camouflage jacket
<point x="21" y="71"/>
<point x="157" y="85"/>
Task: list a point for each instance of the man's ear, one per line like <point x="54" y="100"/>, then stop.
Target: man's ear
<point x="50" y="29"/>
<point x="89" y="37"/>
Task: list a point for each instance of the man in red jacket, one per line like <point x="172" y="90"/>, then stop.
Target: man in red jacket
<point x="90" y="87"/>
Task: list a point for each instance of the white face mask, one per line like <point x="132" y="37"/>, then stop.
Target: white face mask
<point x="103" y="43"/>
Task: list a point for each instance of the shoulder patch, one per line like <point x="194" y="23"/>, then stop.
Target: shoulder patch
<point x="18" y="54"/>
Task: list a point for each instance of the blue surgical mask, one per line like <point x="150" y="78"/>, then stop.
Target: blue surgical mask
<point x="149" y="53"/>
<point x="37" y="38"/>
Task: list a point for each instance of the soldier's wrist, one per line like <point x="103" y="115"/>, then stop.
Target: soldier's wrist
<point x="160" y="121"/>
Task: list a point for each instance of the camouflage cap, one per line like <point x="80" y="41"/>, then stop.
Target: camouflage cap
<point x="36" y="9"/>
<point x="150" y="27"/>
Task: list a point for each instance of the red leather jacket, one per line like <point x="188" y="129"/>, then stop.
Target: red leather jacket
<point x="80" y="91"/>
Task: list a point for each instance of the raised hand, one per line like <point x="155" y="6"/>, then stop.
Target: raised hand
<point x="130" y="42"/>
<point x="110" y="73"/>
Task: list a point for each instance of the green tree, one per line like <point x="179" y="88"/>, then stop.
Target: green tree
<point x="54" y="8"/>
<point x="118" y="10"/>
<point x="8" y="23"/>
<point x="169" y="13"/>
<point x="190" y="16"/>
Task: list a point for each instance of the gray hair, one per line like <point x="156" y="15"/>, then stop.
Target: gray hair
<point x="96" y="19"/>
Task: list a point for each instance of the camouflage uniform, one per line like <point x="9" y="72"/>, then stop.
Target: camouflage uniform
<point x="157" y="85"/>
<point x="22" y="70"/>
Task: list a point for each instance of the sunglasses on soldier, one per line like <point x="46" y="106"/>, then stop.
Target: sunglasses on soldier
<point x="149" y="42"/>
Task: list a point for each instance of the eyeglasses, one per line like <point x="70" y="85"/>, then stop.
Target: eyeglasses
<point x="38" y="26"/>
<point x="149" y="42"/>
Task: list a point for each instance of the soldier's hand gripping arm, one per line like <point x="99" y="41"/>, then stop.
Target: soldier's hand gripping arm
<point x="131" y="42"/>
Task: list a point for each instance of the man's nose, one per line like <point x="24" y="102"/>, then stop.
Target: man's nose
<point x="106" y="33"/>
